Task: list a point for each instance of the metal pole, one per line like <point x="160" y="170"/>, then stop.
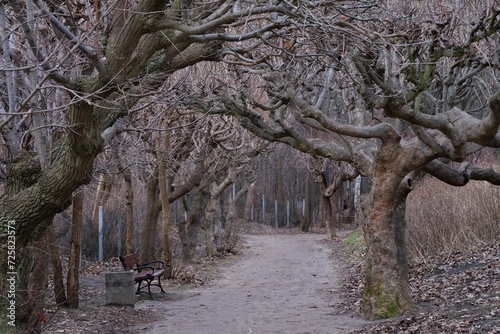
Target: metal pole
<point x="120" y="223"/>
<point x="288" y="213"/>
<point x="251" y="213"/>
<point x="357" y="193"/>
<point x="276" y="212"/>
<point x="101" y="233"/>
<point x="174" y="213"/>
<point x="263" y="208"/>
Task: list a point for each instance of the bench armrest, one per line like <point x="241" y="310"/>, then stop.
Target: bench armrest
<point x="148" y="264"/>
<point x="141" y="268"/>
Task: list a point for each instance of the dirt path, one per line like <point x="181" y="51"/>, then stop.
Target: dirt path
<point x="282" y="284"/>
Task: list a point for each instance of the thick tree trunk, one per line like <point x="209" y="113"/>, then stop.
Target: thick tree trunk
<point x="331" y="199"/>
<point x="52" y="191"/>
<point x="249" y="201"/>
<point x="326" y="209"/>
<point x="210" y="211"/>
<point x="150" y="225"/>
<point x="208" y="222"/>
<point x="280" y="190"/>
<point x="387" y="291"/>
<point x="164" y="186"/>
<point x="59" y="289"/>
<point x="73" y="280"/>
<point x="399" y="220"/>
<point x="129" y="212"/>
<point x="26" y="262"/>
<point x="33" y="284"/>
<point x="189" y="230"/>
<point x="229" y="236"/>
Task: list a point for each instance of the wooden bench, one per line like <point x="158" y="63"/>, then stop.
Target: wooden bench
<point x="146" y="272"/>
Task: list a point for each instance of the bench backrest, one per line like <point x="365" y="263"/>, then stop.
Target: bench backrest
<point x="129" y="260"/>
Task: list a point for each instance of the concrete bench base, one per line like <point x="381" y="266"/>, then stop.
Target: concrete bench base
<point x="120" y="288"/>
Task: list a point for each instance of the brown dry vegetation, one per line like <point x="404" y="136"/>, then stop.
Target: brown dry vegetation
<point x="445" y="219"/>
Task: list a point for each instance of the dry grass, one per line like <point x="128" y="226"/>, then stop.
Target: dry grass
<point x="442" y="218"/>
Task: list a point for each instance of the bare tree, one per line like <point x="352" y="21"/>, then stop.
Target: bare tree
<point x="103" y="61"/>
<point x="411" y="89"/>
<point x="330" y="178"/>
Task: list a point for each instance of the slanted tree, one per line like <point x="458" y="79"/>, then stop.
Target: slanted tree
<point x="331" y="177"/>
<point x="407" y="93"/>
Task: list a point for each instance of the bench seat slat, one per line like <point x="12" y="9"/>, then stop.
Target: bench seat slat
<point x="148" y="274"/>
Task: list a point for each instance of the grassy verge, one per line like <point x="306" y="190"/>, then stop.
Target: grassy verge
<point x="356" y="245"/>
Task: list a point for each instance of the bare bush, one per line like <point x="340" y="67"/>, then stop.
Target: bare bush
<point x="443" y="218"/>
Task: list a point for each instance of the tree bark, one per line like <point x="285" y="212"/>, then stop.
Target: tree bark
<point x="209" y="217"/>
<point x="29" y="261"/>
<point x="150" y="224"/>
<point x="387" y="291"/>
<point x="305" y="223"/>
<point x="164" y="186"/>
<point x="249" y="201"/>
<point x="229" y="237"/>
<point x="57" y="272"/>
<point x="53" y="189"/>
<point x="333" y="222"/>
<point x="73" y="280"/>
<point x="280" y="189"/>
<point x="330" y="200"/>
<point x="190" y="229"/>
<point x="33" y="284"/>
<point x="327" y="214"/>
<point x="129" y="212"/>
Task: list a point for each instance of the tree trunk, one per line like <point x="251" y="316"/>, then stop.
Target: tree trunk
<point x="306" y="221"/>
<point x="27" y="262"/>
<point x="33" y="207"/>
<point x="164" y="186"/>
<point x="51" y="194"/>
<point x="326" y="209"/>
<point x="399" y="221"/>
<point x="331" y="198"/>
<point x="59" y="289"/>
<point x="220" y="221"/>
<point x="129" y="212"/>
<point x="190" y="229"/>
<point x="387" y="291"/>
<point x="228" y="236"/>
<point x="33" y="284"/>
<point x="150" y="224"/>
<point x="280" y="189"/>
<point x="73" y="280"/>
<point x="207" y="225"/>
<point x="249" y="201"/>
<point x="209" y="217"/>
